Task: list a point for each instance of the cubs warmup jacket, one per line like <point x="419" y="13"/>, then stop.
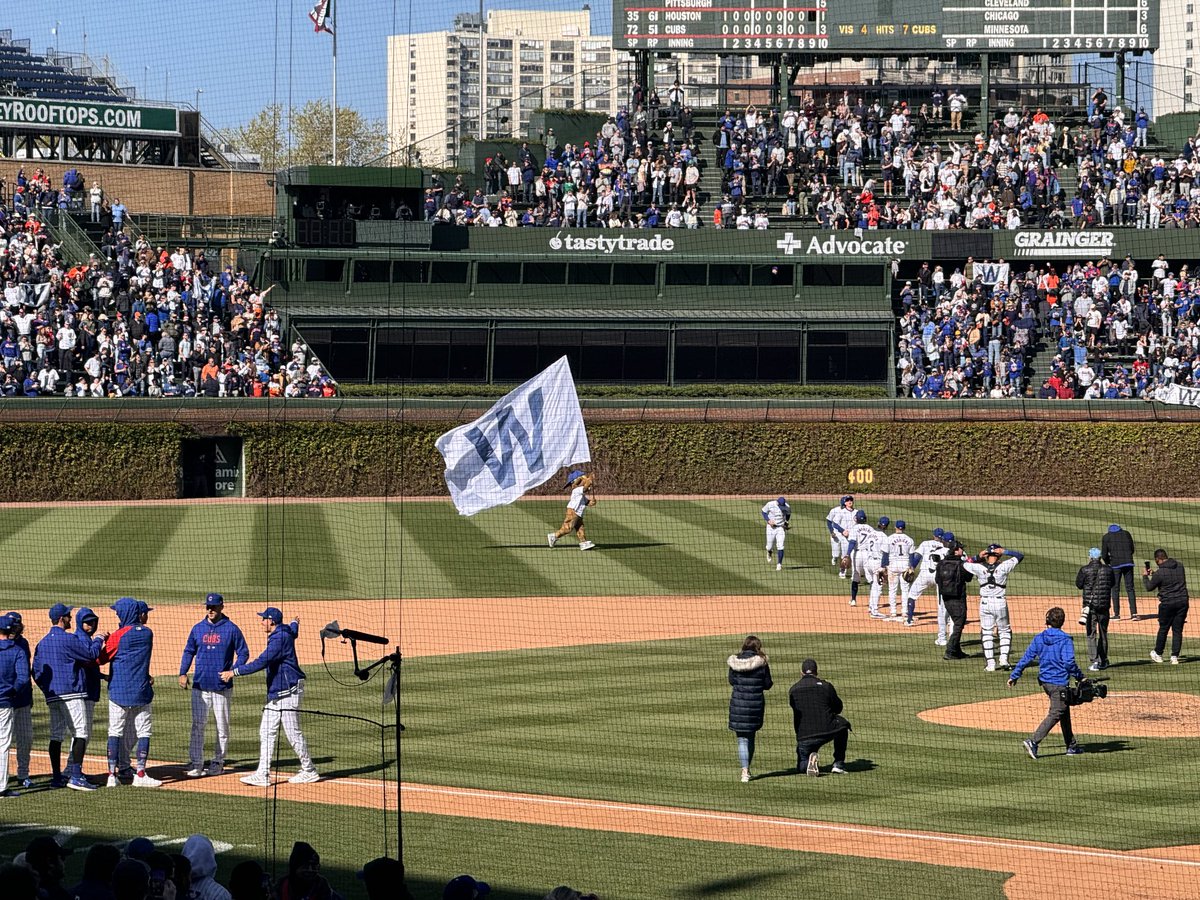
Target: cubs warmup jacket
<point x="59" y="662"/>
<point x="279" y="661"/>
<point x="14" y="674"/>
<point x="128" y="649"/>
<point x="215" y="648"/>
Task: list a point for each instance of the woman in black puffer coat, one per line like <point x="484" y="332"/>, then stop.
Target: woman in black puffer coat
<point x="750" y="677"/>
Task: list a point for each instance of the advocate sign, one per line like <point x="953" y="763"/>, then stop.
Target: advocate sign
<point x="70" y="115"/>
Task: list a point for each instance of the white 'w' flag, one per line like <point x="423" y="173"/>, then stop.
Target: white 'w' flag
<point x="322" y="16"/>
<point x="516" y="445"/>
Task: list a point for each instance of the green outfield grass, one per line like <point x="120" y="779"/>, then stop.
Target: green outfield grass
<point x="300" y="551"/>
<point x="647" y="724"/>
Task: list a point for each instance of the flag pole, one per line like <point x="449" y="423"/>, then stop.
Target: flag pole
<point x="335" y="105"/>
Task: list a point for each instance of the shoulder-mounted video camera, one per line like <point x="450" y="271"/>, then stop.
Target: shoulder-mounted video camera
<point x="1086" y="691"/>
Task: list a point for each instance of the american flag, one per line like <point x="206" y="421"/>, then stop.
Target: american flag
<point x="322" y="16"/>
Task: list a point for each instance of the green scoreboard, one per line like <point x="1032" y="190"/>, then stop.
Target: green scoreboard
<point x="886" y="27"/>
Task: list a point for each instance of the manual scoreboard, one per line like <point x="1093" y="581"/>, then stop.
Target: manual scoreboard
<point x="889" y="27"/>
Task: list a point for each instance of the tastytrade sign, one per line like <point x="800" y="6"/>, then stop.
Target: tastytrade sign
<point x="1064" y="243"/>
<point x="609" y="245"/>
<point x="24" y="113"/>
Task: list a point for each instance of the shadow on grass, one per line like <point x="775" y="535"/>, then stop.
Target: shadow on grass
<point x="722" y="886"/>
<point x="568" y="546"/>
<point x="851" y="766"/>
<point x="1102" y="747"/>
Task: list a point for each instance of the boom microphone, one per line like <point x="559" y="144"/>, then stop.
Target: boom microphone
<point x="333" y="630"/>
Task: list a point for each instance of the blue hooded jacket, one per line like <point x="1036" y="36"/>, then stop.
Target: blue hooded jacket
<point x="1055" y="652"/>
<point x="279" y="659"/>
<point x="59" y="663"/>
<point x="25" y="695"/>
<point x="14" y="674"/>
<point x="91" y="673"/>
<point x="128" y="649"/>
<point x="215" y="647"/>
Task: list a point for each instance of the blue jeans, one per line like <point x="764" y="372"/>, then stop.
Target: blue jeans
<point x="745" y="745"/>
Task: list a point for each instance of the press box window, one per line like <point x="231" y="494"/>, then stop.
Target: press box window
<point x="410" y="272"/>
<point x="773" y="276"/>
<point x="729" y="276"/>
<point x="589" y="273"/>
<point x="498" y="273"/>
<point x="634" y="274"/>
<point x="822" y="276"/>
<point x="326" y="270"/>
<point x="545" y="273"/>
<point x="371" y="270"/>
<point x="686" y="275"/>
<point x="448" y="273"/>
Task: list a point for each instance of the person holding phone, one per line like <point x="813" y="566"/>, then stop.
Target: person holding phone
<point x="1170" y="581"/>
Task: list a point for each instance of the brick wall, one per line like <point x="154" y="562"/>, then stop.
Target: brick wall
<point x="162" y="189"/>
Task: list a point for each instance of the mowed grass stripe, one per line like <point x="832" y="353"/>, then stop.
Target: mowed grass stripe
<point x="126" y="546"/>
<point x="29" y="534"/>
<point x="295" y="553"/>
<point x="477" y="557"/>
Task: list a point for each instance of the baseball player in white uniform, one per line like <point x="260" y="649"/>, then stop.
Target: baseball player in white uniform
<point x="860" y="535"/>
<point x="839" y="522"/>
<point x="778" y="516"/>
<point x="900" y="548"/>
<point x="993" y="601"/>
<point x="929" y="553"/>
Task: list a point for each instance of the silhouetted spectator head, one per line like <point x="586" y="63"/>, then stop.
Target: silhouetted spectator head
<point x="20" y="882"/>
<point x="248" y="881"/>
<point x="131" y="880"/>
<point x="45" y="856"/>
<point x="99" y="863"/>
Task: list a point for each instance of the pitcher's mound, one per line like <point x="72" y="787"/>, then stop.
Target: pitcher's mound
<point x="1158" y="714"/>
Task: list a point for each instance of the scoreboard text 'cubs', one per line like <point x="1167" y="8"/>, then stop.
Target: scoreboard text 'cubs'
<point x="861" y="26"/>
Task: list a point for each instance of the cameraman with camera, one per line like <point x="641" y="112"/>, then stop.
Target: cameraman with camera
<point x="1096" y="580"/>
<point x="1055" y="652"/>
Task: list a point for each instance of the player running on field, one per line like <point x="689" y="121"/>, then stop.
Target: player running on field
<point x="900" y="548"/>
<point x="993" y="601"/>
<point x="778" y="516"/>
<point x="838" y="522"/>
<point x="580" y="486"/>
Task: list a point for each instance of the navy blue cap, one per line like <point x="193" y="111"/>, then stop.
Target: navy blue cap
<point x="464" y="887"/>
<point x="900" y="524"/>
<point x="58" y="610"/>
<point x="16" y="617"/>
<point x="948" y="537"/>
<point x="847" y="499"/>
<point x="1114" y="528"/>
<point x="571" y="476"/>
<point x="884" y="521"/>
<point x="939" y="532"/>
<point x="860" y="515"/>
<point x="214" y="600"/>
<point x="274" y="613"/>
<point x="6" y="623"/>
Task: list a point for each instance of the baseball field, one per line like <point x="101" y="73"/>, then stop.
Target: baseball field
<point x="565" y="712"/>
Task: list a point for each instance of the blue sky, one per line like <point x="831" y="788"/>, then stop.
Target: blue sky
<point x="238" y="51"/>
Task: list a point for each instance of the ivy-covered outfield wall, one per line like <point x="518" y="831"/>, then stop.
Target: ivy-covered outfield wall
<point x="73" y="462"/>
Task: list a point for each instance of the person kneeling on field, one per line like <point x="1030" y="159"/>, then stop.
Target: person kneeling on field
<point x="816" y="715"/>
<point x="1054" y="651"/>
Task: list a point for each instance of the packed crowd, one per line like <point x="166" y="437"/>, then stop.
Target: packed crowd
<point x="138" y="870"/>
<point x="136" y="321"/>
<point x="818" y="161"/>
<point x="1114" y="332"/>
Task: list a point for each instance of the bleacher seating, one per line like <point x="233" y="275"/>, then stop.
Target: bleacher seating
<point x="26" y="74"/>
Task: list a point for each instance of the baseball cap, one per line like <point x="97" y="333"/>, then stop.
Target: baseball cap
<point x="16" y="617"/>
<point x="860" y="515"/>
<point x="139" y="848"/>
<point x="274" y="613"/>
<point x="948" y="537"/>
<point x="884" y="521"/>
<point x="6" y="623"/>
<point x="782" y="501"/>
<point x="464" y="887"/>
<point x="992" y="548"/>
<point x="1114" y="528"/>
<point x="901" y="524"/>
<point x="809" y="667"/>
<point x="58" y="610"/>
<point x="143" y="608"/>
<point x="938" y="532"/>
<point x="572" y="475"/>
<point x="847" y="499"/>
<point x="1094" y="553"/>
<point x="44" y="848"/>
<point x="214" y="600"/>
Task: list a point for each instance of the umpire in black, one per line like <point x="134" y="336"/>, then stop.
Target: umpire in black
<point x="1171" y="583"/>
<point x="954" y="601"/>
<point x="1117" y="550"/>
<point x="816" y="715"/>
<point x="1096" y="580"/>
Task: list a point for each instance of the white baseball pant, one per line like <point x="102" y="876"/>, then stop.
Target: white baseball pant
<point x="23" y="738"/>
<point x="896" y="583"/>
<point x="123" y="719"/>
<point x="204" y="703"/>
<point x="924" y="581"/>
<point x="776" y="534"/>
<point x="993" y="616"/>
<point x="283" y="711"/>
<point x="69" y="717"/>
<point x="872" y="568"/>
<point x="6" y="740"/>
<point x="839" y="544"/>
